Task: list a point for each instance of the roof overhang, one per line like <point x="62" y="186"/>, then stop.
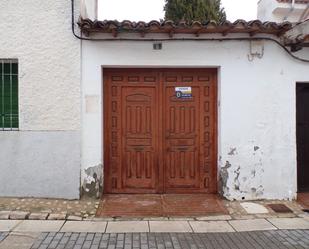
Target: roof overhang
<point x="195" y="28"/>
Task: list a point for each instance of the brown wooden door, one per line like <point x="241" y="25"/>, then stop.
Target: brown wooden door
<point x="131" y="131"/>
<point x="154" y="141"/>
<point x="302" y="95"/>
<point x="189" y="132"/>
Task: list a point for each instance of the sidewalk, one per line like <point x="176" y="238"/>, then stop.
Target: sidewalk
<point x="263" y="237"/>
<point x="51" y="234"/>
<point x="85" y="209"/>
<point x="248" y="225"/>
<point x="217" y="224"/>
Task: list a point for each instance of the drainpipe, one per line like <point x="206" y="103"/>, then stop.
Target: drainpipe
<point x="291" y="10"/>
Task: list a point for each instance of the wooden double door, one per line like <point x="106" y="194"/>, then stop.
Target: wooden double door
<point x="156" y="141"/>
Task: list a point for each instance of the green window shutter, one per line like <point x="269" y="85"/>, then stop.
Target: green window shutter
<point x="8" y="94"/>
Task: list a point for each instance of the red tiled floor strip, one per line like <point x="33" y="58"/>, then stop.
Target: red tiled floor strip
<point x="168" y="205"/>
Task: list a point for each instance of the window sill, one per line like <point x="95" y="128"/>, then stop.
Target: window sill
<point x="9" y="129"/>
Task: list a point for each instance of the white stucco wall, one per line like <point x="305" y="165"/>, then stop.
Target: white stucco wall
<point x="38" y="34"/>
<point x="257" y="127"/>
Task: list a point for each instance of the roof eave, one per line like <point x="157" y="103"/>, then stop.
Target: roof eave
<point x="88" y="26"/>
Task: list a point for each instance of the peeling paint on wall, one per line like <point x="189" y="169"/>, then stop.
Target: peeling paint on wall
<point x="236" y="180"/>
<point x="232" y="152"/>
<point x="253" y="172"/>
<point x="93" y="182"/>
<point x="224" y="175"/>
<point x="257" y="192"/>
<point x="242" y="179"/>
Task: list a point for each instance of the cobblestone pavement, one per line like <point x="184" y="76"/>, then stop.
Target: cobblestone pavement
<point x="281" y="239"/>
<point x="83" y="208"/>
<point x="3" y="236"/>
<point x="236" y="211"/>
<point x="86" y="208"/>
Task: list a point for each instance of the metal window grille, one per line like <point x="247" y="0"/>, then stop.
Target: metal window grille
<point x="8" y="94"/>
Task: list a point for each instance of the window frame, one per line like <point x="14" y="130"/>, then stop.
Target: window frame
<point x="13" y="126"/>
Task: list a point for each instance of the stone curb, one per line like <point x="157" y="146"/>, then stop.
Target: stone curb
<point x="20" y="215"/>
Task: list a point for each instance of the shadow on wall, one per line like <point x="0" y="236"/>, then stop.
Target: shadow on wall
<point x="93" y="182"/>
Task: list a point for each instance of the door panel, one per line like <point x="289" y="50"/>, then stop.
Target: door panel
<point x="181" y="139"/>
<point x="131" y="131"/>
<point x="154" y="141"/>
<point x="302" y="95"/>
<point x="190" y="132"/>
<point x="139" y="134"/>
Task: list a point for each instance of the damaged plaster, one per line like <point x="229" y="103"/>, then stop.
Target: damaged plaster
<point x="236" y="179"/>
<point x="224" y="175"/>
<point x="232" y="152"/>
<point x="242" y="179"/>
<point x="92" y="184"/>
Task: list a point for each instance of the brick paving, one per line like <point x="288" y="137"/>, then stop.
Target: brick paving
<point x="280" y="239"/>
<point x="122" y="206"/>
<point x="156" y="205"/>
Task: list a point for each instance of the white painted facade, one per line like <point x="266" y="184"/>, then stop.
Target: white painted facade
<point x="272" y="10"/>
<point x="256" y="103"/>
<point x="59" y="146"/>
<point x="42" y="159"/>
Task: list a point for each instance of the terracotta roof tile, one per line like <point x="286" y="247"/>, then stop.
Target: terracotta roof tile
<point x="240" y="26"/>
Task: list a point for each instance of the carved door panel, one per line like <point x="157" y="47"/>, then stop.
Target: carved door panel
<point x="139" y="132"/>
<point x="131" y="131"/>
<point x="181" y="140"/>
<point x="190" y="134"/>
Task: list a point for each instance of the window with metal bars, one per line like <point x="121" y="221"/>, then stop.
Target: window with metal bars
<point x="8" y="94"/>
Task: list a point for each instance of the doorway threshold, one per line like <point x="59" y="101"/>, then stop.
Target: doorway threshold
<point x="157" y="205"/>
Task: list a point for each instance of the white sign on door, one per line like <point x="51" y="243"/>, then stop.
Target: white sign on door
<point x="183" y="92"/>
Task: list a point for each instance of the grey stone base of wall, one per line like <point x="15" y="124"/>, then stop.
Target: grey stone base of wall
<point x="40" y="164"/>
